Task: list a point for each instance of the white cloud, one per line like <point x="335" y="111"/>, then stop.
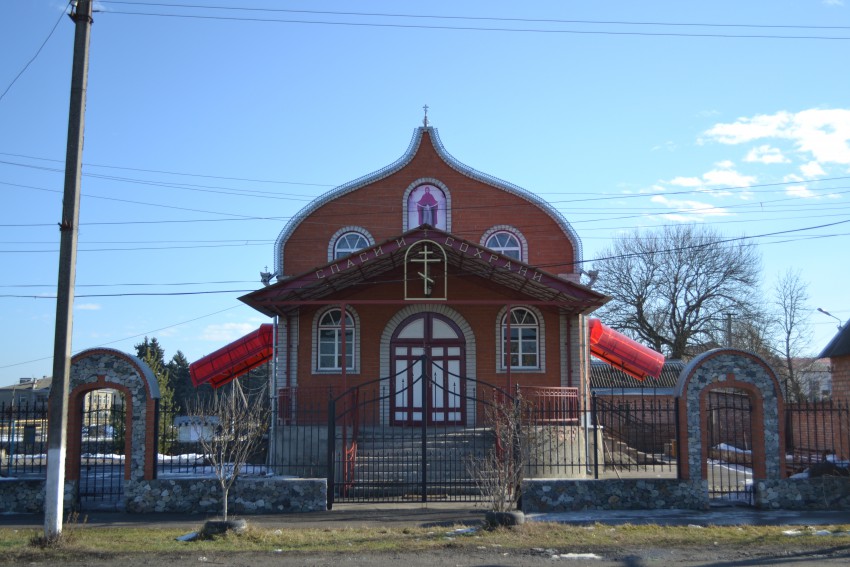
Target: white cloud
<point x="799" y="191"/>
<point x="749" y="129"/>
<point x="812" y="169"/>
<point x="668" y="146"/>
<point x="687" y="210"/>
<point x="723" y="177"/>
<point x="766" y="154"/>
<point x="834" y="2"/>
<point x="822" y="135"/>
<point x="87" y="306"/>
<point x="226" y="332"/>
<point x="686" y="181"/>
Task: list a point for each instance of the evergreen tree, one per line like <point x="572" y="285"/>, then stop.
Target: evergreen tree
<point x="184" y="392"/>
<point x="153" y="348"/>
<point x="153" y="355"/>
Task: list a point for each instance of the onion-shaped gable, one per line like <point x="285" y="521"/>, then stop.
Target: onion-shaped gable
<point x="405" y="159"/>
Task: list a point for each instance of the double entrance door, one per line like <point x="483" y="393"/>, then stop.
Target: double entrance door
<point x="428" y="358"/>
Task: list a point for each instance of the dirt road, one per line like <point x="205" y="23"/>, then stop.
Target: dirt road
<point x="490" y="556"/>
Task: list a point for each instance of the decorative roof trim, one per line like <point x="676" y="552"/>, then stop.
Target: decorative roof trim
<point x="340" y="191"/>
<point x="408" y="155"/>
<point x="510" y="188"/>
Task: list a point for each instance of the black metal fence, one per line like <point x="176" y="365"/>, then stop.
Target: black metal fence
<point x="611" y="436"/>
<point x="23" y="439"/>
<point x="103" y="449"/>
<point x="636" y="435"/>
<point x="817" y="436"/>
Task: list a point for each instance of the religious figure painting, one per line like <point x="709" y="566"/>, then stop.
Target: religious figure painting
<point x="427" y="205"/>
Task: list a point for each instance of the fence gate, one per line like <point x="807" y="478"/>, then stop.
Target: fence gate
<point x="102" y="450"/>
<point x="422" y="456"/>
<point x="730" y="443"/>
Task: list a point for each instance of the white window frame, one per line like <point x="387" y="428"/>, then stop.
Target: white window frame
<point x="522" y="244"/>
<point x="338" y="236"/>
<point x="325" y="324"/>
<point x="527" y="327"/>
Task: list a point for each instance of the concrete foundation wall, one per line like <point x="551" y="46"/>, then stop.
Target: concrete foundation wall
<point x="821" y="493"/>
<point x="559" y="495"/>
<point x="189" y="495"/>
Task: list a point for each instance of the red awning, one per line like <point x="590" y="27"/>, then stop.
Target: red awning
<point x="623" y="353"/>
<point x="233" y="360"/>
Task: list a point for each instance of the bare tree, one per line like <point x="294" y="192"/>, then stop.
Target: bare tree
<point x="790" y="295"/>
<point x="234" y="435"/>
<point x="672" y="288"/>
<point x="499" y="472"/>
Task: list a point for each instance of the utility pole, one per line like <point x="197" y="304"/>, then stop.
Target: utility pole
<point x="69" y="230"/>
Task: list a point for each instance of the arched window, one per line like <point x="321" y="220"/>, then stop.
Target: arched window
<point x="506" y="240"/>
<point x="348" y="243"/>
<point x="329" y="341"/>
<point x="506" y="244"/>
<point x="523" y="346"/>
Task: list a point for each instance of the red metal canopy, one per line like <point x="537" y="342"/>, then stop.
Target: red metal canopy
<point x="622" y="352"/>
<point x="233" y="360"/>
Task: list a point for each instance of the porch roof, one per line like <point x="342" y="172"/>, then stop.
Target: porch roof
<point x="839" y="345"/>
<point x="321" y="284"/>
<point x="605" y="376"/>
<point x="234" y="359"/>
<point x="623" y="353"/>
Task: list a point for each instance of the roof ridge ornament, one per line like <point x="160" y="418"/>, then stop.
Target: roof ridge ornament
<point x="425" y="120"/>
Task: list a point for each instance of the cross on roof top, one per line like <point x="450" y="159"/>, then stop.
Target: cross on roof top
<point x="425" y="120"/>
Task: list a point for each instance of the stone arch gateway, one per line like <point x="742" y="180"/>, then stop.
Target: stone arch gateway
<point x="747" y="376"/>
<point x="99" y="369"/>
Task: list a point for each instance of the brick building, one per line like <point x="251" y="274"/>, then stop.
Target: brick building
<point x="838" y="353"/>
<point x="428" y="256"/>
<point x="426" y="265"/>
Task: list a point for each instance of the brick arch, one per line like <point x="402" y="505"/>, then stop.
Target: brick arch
<point x="440" y="309"/>
<point x="741" y="370"/>
<point x="97" y="369"/>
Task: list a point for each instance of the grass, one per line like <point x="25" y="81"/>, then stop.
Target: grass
<point x="18" y="546"/>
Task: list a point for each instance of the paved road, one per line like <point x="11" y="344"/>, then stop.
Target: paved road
<point x="443" y="514"/>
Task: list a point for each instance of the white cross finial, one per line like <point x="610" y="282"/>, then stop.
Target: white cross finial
<point x="425" y="120"/>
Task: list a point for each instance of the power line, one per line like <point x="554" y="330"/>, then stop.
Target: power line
<point x="544" y="265"/>
<point x="140" y="294"/>
<point x="755" y="188"/>
<point x="480" y="28"/>
<point x="146" y="333"/>
<point x="38" y="51"/>
<point x="158" y="171"/>
<point x="135" y="284"/>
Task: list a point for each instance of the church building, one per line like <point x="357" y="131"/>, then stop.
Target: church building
<point x="428" y="256"/>
<point x="426" y="283"/>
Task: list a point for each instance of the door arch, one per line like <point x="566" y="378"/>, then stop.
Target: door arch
<point x="108" y="369"/>
<point x="427" y="358"/>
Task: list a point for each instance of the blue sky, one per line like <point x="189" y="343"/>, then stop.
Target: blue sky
<point x="206" y="129"/>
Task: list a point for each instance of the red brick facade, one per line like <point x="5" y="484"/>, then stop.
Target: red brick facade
<point x="479" y="287"/>
<point x="475" y="207"/>
<point x="841" y="378"/>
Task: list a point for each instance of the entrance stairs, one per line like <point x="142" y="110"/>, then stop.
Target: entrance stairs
<point x="391" y="462"/>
